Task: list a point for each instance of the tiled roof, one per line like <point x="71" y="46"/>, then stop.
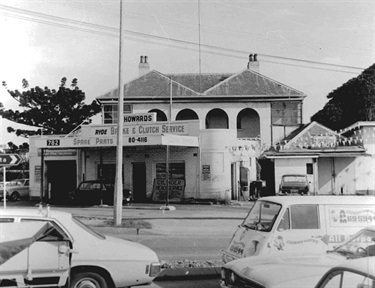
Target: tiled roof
<point x="249" y="82"/>
<point x="245" y="83"/>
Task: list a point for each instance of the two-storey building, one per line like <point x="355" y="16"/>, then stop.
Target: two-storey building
<point x="209" y="128"/>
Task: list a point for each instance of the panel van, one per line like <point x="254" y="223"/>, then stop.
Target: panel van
<point x="295" y="224"/>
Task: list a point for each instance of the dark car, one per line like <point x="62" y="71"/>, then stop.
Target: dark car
<point x="97" y="192"/>
<point x="292" y="184"/>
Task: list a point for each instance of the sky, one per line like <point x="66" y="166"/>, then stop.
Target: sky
<point x="314" y="46"/>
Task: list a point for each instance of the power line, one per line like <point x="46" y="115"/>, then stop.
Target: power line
<point x="305" y="43"/>
<point x="113" y="32"/>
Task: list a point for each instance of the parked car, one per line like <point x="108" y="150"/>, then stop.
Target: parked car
<point x="15" y="190"/>
<point x="358" y="273"/>
<point x="292" y="184"/>
<point x="43" y="248"/>
<point x="97" y="192"/>
<point x="297" y="270"/>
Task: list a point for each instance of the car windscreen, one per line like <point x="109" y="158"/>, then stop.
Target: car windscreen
<point x="262" y="216"/>
<point x="361" y="244"/>
<point x="87" y="229"/>
<point x="294" y="178"/>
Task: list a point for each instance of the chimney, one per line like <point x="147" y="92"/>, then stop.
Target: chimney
<point x="253" y="63"/>
<point x="144" y="67"/>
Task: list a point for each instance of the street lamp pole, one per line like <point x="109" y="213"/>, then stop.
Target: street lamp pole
<point x="167" y="206"/>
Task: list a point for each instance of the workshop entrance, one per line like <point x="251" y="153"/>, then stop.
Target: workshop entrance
<point x="61" y="179"/>
<point x="139" y="182"/>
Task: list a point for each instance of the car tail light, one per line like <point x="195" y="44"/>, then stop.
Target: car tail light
<point x="155" y="269"/>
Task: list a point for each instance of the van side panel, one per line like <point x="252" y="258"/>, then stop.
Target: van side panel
<point x="344" y="220"/>
<point x="303" y="231"/>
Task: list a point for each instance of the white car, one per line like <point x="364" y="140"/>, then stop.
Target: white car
<point x="358" y="273"/>
<point x="296" y="270"/>
<point x="15" y="189"/>
<point x="39" y="247"/>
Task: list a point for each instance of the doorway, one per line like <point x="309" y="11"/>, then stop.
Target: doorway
<point x="234" y="184"/>
<point x="61" y="179"/>
<point x="139" y="182"/>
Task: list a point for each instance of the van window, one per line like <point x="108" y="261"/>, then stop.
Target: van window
<point x="262" y="216"/>
<point x="285" y="221"/>
<point x="304" y="217"/>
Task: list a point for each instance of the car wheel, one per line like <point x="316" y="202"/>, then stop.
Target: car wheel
<point x="15" y="196"/>
<point x="88" y="280"/>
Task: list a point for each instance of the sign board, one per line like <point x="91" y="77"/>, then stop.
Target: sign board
<point x="176" y="190"/>
<point x="10" y="159"/>
<point x="58" y="153"/>
<point x="110" y="141"/>
<point x="140" y="117"/>
<point x="140" y="130"/>
<point x="37" y="173"/>
<point x="351" y="217"/>
<point x="323" y="141"/>
<point x="206" y="172"/>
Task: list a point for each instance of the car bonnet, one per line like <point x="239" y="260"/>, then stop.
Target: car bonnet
<point x="284" y="268"/>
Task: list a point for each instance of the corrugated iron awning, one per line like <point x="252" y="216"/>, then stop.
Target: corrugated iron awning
<point x="345" y="154"/>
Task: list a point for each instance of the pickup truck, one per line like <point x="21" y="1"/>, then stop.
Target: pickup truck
<point x="43" y="248"/>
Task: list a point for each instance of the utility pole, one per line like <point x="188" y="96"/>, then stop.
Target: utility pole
<point x="167" y="206"/>
<point x="117" y="205"/>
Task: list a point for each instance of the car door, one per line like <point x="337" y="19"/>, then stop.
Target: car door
<point x="34" y="252"/>
<point x="299" y="230"/>
<point x="24" y="188"/>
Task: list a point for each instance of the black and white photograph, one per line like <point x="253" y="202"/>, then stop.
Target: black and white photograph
<point x="187" y="143"/>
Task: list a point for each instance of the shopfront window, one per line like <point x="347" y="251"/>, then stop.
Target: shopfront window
<point x="176" y="170"/>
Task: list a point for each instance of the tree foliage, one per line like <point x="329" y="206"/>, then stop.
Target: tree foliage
<point x="352" y="102"/>
<point x="21" y="149"/>
<point x="53" y="111"/>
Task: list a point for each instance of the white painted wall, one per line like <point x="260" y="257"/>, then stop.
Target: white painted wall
<point x="232" y="110"/>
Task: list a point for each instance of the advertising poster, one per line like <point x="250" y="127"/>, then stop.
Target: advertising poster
<point x="176" y="190"/>
<point x="344" y="217"/>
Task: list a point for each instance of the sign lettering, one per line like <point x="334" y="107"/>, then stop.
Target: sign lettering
<point x="344" y="217"/>
<point x="53" y="142"/>
<point x="144" y="117"/>
<point x="176" y="190"/>
<point x="142" y="130"/>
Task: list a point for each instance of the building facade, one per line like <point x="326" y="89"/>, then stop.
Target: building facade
<point x="207" y="129"/>
<point x="334" y="164"/>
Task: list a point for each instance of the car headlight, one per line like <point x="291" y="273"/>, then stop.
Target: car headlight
<point x="228" y="276"/>
<point x="232" y="277"/>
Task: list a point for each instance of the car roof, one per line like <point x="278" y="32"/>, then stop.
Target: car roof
<point x="331" y="200"/>
<point x="34" y="212"/>
<point x="294" y="175"/>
